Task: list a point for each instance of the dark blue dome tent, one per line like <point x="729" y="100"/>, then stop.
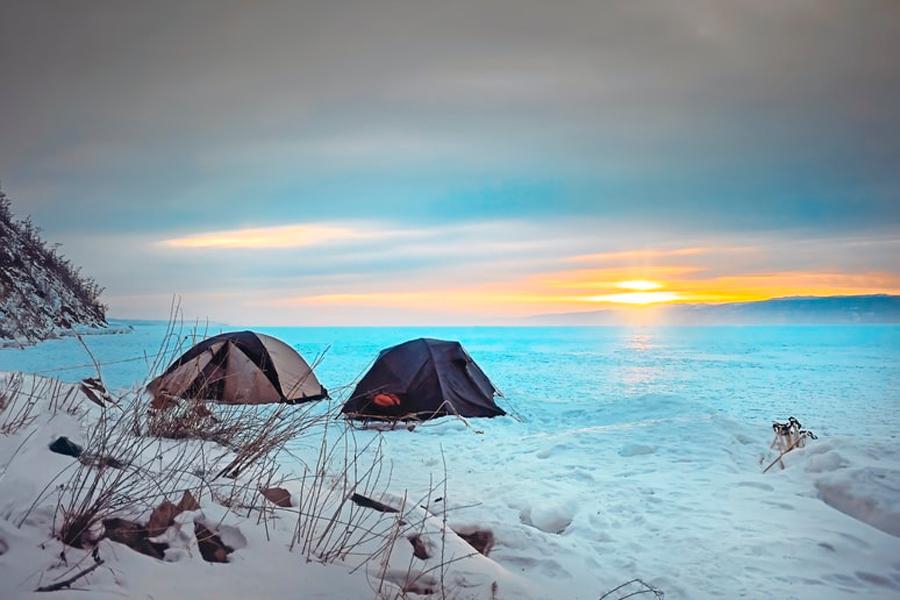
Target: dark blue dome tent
<point x="423" y="379"/>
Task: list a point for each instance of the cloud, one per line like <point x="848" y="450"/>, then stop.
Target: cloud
<point x="286" y="236"/>
<point x="642" y="255"/>
<point x="636" y="297"/>
<point x="517" y="267"/>
<point x="731" y="115"/>
<point x="503" y="147"/>
<point x="612" y="278"/>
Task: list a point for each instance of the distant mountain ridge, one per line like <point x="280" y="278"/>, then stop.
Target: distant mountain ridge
<point x="794" y="310"/>
<point x="41" y="293"/>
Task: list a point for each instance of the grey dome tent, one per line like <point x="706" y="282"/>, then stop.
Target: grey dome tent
<point x="422" y="379"/>
<point x="241" y="367"/>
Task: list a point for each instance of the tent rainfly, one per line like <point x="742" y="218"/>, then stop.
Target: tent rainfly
<point x="241" y="367"/>
<point x="423" y="379"/>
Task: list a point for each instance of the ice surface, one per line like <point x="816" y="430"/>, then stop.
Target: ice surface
<point x="631" y="453"/>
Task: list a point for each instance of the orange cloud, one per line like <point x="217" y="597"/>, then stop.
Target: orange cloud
<point x="761" y="286"/>
<point x="612" y="278"/>
<point x="583" y="282"/>
<point x="287" y="236"/>
<point x="637" y="297"/>
<point x="534" y="295"/>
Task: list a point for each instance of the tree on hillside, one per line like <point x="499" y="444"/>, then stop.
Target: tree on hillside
<point x="22" y="249"/>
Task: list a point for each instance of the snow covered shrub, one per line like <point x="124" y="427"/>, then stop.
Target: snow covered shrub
<point x="117" y="475"/>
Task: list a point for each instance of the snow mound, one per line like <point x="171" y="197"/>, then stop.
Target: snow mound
<point x="850" y="476"/>
<point x="869" y="494"/>
<point x="550" y="517"/>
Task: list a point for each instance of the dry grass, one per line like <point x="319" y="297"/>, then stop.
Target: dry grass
<point x="252" y="432"/>
<point x="121" y="475"/>
<point x="632" y="589"/>
<point x="125" y="471"/>
<point x="136" y="457"/>
<point x="329" y="525"/>
<point x="23" y="398"/>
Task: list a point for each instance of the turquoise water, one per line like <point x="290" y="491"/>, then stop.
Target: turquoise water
<point x="839" y="379"/>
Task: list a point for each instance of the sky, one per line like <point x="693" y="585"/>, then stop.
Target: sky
<point x="424" y="162"/>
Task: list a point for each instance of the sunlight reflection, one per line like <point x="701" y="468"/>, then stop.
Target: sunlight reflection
<point x="639" y="342"/>
<point x="638" y="371"/>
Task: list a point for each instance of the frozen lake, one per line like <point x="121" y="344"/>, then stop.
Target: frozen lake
<point x="635" y="452"/>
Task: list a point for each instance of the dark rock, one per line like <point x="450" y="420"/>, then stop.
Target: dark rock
<point x="419" y="549"/>
<point x="63" y="445"/>
<point x="367" y="502"/>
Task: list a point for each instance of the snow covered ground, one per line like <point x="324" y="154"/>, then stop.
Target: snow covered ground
<point x="634" y="453"/>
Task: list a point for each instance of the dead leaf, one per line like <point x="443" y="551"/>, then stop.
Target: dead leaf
<point x="188" y="502"/>
<point x="277" y="496"/>
<point x="480" y="539"/>
<point x="162" y="517"/>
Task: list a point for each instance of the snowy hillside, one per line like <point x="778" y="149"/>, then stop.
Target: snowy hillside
<point x="41" y="293"/>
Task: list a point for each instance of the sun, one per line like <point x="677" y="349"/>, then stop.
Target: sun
<point x="639" y="285"/>
<point x="642" y="292"/>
